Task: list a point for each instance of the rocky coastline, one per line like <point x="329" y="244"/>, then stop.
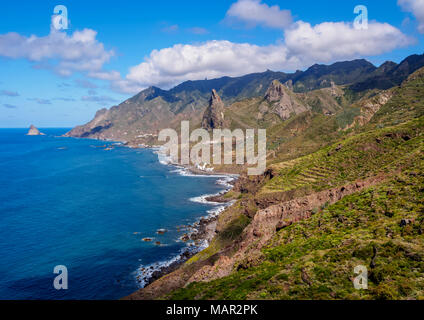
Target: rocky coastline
<point x="201" y="232"/>
<point x="198" y="235"/>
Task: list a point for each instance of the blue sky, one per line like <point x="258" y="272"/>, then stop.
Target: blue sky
<point x="110" y="51"/>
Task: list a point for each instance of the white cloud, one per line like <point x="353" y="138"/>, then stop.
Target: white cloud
<point x="10" y="106"/>
<point x="83" y="83"/>
<point x="105" y="75"/>
<point x="40" y="101"/>
<point x="128" y="86"/>
<point x="254" y="12"/>
<point x="211" y="59"/>
<point x="331" y="41"/>
<point x="304" y="45"/>
<point x="79" y="51"/>
<point x="64" y="99"/>
<point x="417" y="9"/>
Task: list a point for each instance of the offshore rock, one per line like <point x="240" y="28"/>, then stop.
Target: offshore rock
<point x="33" y="131"/>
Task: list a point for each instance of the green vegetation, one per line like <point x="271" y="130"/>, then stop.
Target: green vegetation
<point x="407" y="103"/>
<point x="315" y="258"/>
<point x="353" y="158"/>
<point x="352" y="166"/>
<point x="380" y="227"/>
<point x="233" y="222"/>
<point x="154" y="109"/>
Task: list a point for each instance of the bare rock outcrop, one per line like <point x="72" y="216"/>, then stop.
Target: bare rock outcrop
<point x="370" y="107"/>
<point x="33" y="131"/>
<point x="213" y="118"/>
<point x="284" y="104"/>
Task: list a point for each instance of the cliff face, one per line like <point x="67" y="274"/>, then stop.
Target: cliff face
<point x="94" y="128"/>
<point x="213" y="118"/>
<point x="282" y="100"/>
<point x="33" y="131"/>
<point x="267" y="222"/>
<point x="389" y="74"/>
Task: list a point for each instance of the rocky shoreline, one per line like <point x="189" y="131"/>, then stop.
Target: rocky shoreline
<point x="199" y="235"/>
<point x="202" y="231"/>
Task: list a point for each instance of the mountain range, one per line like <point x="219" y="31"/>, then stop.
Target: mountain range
<point x="145" y="114"/>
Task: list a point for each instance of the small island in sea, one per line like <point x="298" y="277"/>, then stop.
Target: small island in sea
<point x="33" y="131"/>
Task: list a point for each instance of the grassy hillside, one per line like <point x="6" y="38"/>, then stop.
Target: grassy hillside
<point x="315" y="258"/>
<point x="406" y="103"/>
<point x="379" y="226"/>
<point x="350" y="159"/>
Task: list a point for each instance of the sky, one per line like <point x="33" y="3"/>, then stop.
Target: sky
<point x="55" y="77"/>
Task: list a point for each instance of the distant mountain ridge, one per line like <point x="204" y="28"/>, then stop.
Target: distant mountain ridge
<point x="390" y="74"/>
<point x="154" y="109"/>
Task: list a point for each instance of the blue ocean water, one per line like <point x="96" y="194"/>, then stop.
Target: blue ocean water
<point x="64" y="201"/>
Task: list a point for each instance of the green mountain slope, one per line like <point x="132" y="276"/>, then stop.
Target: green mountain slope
<point x="380" y="226"/>
<point x="299" y="231"/>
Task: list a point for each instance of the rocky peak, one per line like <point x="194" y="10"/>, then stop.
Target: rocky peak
<point x="289" y="84"/>
<point x="275" y="91"/>
<point x="283" y="101"/>
<point x="215" y="98"/>
<point x="213" y="118"/>
<point x="33" y="131"/>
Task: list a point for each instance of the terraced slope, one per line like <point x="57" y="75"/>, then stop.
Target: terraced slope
<point x="380" y="226"/>
<point x="407" y="103"/>
<point x="353" y="158"/>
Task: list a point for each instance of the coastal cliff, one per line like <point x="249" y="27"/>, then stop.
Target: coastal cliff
<point x="325" y="212"/>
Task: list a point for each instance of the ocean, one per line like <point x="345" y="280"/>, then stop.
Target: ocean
<point x="72" y="202"/>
